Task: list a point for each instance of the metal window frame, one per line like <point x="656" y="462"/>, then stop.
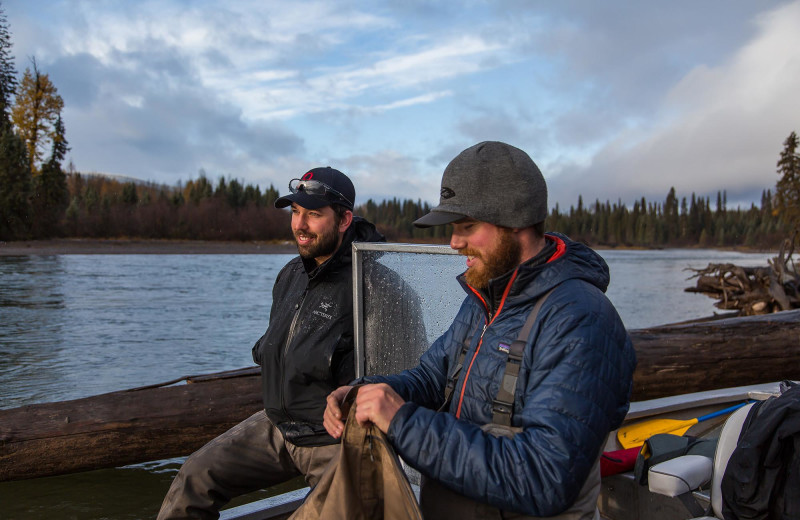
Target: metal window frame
<point x="359" y="248"/>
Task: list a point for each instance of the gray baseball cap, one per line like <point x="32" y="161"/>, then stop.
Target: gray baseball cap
<point x="492" y="182"/>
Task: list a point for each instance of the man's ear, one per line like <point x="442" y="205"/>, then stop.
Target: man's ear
<point x="347" y="219"/>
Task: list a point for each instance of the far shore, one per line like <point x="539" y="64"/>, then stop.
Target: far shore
<point x="134" y="246"/>
<point x="88" y="246"/>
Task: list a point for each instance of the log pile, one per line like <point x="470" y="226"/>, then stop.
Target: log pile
<point x="752" y="290"/>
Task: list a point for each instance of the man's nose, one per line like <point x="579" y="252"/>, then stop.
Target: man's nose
<point x="457" y="241"/>
<point x="300" y="222"/>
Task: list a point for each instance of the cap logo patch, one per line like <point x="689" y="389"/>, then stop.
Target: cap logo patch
<point x="307" y="176"/>
<point x="447" y="193"/>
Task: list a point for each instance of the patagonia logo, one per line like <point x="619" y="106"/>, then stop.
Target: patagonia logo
<point x="447" y="193"/>
<point x="502" y="347"/>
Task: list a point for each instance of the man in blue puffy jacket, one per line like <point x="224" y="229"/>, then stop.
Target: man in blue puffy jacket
<point x="502" y="417"/>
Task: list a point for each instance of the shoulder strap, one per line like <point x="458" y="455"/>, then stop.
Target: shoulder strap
<point x="503" y="404"/>
<point x="451" y="381"/>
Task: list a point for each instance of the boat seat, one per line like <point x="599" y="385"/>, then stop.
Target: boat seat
<point x="681" y="476"/>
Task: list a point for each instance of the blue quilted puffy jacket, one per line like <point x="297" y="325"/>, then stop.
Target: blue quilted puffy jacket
<point x="573" y="389"/>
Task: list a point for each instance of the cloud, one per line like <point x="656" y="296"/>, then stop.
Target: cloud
<point x="611" y="99"/>
<point x="388" y="174"/>
<point x="324" y="88"/>
<point x="718" y="128"/>
<point x="159" y="123"/>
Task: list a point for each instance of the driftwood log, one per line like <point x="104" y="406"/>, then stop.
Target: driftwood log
<point x="721" y="353"/>
<point x="126" y="427"/>
<point x="752" y="290"/>
<point x="159" y="422"/>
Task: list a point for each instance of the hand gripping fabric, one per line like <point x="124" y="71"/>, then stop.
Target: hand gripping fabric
<point x="364" y="482"/>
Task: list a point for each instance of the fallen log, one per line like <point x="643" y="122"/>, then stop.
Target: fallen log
<point x="126" y="427"/>
<point x="736" y="351"/>
<point x="159" y="422"/>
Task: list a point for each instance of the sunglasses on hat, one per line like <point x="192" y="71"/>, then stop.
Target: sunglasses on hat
<point x="317" y="189"/>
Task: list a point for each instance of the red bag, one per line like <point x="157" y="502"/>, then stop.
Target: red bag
<point x="613" y="462"/>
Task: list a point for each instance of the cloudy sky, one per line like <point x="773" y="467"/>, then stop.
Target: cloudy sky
<point x="614" y="100"/>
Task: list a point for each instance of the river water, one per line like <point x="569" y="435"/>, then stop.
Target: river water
<point x="72" y="326"/>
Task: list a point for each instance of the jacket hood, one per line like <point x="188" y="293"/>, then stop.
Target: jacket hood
<point x="578" y="261"/>
<point x="572" y="260"/>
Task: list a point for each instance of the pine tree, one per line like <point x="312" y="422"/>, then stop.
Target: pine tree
<point x="15" y="185"/>
<point x="671" y="215"/>
<point x="787" y="191"/>
<point x="129" y="195"/>
<point x="15" y="173"/>
<point x="50" y="188"/>
<point x="8" y="74"/>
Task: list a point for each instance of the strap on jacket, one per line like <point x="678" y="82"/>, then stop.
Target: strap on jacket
<point x="453" y="379"/>
<point x="503" y="404"/>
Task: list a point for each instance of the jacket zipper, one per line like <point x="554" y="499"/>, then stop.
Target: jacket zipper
<point x="489" y="319"/>
<point x="561" y="249"/>
<point x="286" y="352"/>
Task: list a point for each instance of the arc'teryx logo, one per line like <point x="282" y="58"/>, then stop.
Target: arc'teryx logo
<point x="447" y="193"/>
<point x="325" y="306"/>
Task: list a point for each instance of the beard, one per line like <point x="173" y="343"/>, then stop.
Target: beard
<point x="321" y="245"/>
<point x="501" y="259"/>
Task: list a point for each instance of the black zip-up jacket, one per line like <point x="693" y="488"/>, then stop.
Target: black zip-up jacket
<point x="307" y="350"/>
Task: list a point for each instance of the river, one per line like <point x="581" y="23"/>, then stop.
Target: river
<point x="72" y="326"/>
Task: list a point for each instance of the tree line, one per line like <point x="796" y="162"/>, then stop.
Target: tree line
<point x="38" y="199"/>
<point x="228" y="209"/>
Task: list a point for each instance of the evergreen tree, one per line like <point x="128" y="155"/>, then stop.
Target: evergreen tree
<point x="198" y="190"/>
<point x="787" y="191"/>
<point x="15" y="174"/>
<point x="50" y="188"/>
<point x="235" y="194"/>
<point x="36" y="110"/>
<point x="15" y="185"/>
<point x="270" y="196"/>
<point x="129" y="195"/>
<point x="8" y="74"/>
<point x="672" y="215"/>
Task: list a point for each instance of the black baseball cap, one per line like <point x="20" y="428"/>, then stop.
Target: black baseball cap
<point x="318" y="188"/>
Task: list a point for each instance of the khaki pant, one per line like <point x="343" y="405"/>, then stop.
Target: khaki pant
<point x="250" y="456"/>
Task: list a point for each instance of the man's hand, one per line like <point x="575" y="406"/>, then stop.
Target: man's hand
<point x="377" y="404"/>
<point x="333" y="418"/>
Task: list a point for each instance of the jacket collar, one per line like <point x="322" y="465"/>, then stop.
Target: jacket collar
<point x="514" y="281"/>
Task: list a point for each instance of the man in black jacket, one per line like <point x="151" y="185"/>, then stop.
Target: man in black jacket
<point x="306" y="353"/>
